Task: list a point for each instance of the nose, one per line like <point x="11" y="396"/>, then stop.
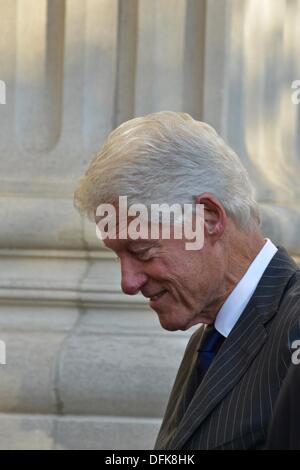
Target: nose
<point x="133" y="278"/>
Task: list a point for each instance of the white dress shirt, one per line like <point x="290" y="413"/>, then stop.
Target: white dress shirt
<point x="235" y="304"/>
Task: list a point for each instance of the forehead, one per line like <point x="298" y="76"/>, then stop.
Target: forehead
<point x="120" y="245"/>
<point x="170" y="247"/>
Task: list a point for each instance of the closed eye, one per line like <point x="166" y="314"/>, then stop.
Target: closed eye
<point x="142" y="255"/>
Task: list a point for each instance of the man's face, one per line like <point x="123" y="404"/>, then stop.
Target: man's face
<point x="181" y="285"/>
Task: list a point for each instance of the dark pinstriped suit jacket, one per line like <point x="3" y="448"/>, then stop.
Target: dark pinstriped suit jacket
<point x="232" y="407"/>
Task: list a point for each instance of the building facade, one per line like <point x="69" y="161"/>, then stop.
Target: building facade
<point x="86" y="366"/>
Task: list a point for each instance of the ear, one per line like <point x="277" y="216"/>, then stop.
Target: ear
<point x="215" y="218"/>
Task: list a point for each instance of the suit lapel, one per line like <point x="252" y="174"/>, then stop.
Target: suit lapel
<point x="230" y="364"/>
<point x="240" y="348"/>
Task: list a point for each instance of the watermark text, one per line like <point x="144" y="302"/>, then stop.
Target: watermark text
<point x="160" y="221"/>
<point x="296" y="94"/>
<point x="296" y="353"/>
<point x="2" y="353"/>
<point x="2" y="92"/>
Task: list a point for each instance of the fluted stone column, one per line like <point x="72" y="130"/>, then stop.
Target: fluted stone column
<point x="252" y="50"/>
<point x="88" y="367"/>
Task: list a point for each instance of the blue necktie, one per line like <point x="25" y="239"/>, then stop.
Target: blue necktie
<point x="210" y="344"/>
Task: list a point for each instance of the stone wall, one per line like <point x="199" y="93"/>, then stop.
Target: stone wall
<point x="88" y="367"/>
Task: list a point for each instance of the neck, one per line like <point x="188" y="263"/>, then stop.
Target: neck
<point x="240" y="253"/>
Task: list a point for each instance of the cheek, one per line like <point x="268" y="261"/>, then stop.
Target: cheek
<point x="157" y="272"/>
<point x="159" y="268"/>
<point x="182" y="283"/>
<point x="196" y="282"/>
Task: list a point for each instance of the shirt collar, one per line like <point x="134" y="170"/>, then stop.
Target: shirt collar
<point x="236" y="302"/>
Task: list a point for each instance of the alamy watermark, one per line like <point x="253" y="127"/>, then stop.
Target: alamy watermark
<point x="161" y="221"/>
<point x="2" y="92"/>
<point x="296" y="94"/>
<point x="2" y="353"/>
<point x="296" y="353"/>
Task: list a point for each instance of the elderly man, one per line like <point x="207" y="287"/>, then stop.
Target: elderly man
<point x="243" y="289"/>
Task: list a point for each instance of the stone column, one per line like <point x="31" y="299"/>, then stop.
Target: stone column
<point x="87" y="367"/>
<point x="252" y="50"/>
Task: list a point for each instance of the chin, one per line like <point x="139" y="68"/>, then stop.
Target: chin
<point x="170" y="323"/>
<point x="175" y="321"/>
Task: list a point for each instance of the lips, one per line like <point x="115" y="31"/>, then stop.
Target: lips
<point x="157" y="296"/>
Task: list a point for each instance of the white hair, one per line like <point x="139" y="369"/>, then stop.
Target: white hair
<point x="167" y="157"/>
